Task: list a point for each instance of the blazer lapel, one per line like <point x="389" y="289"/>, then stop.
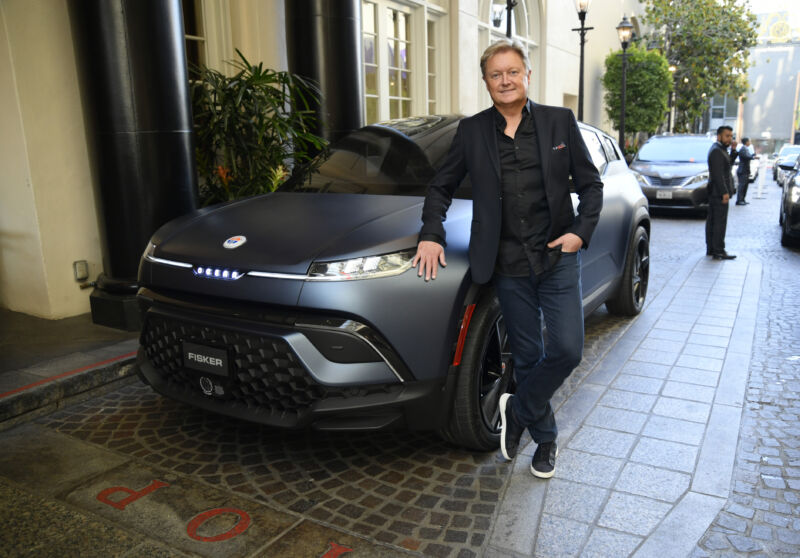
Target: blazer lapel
<point x="490" y="138"/>
<point x="543" y="139"/>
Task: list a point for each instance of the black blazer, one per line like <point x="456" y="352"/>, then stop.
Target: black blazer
<point x="744" y="161"/>
<point x="720" y="180"/>
<point x="474" y="150"/>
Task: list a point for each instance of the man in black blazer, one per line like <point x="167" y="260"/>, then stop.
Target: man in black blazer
<point x="743" y="172"/>
<point x="525" y="239"/>
<point x="720" y="190"/>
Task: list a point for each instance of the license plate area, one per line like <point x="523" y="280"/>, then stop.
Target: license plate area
<point x="664" y="194"/>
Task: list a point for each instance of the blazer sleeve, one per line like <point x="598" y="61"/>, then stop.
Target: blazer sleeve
<point x="717" y="168"/>
<point x="441" y="188"/>
<point x="587" y="182"/>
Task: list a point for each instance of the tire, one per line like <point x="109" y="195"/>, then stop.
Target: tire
<point x="630" y="296"/>
<point x="475" y="419"/>
<point x="786" y="239"/>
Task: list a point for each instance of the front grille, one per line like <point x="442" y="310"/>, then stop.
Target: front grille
<point x="658" y="181"/>
<point x="265" y="371"/>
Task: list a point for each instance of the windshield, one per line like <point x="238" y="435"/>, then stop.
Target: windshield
<point x="789" y="150"/>
<point x="675" y="150"/>
<point x="372" y="160"/>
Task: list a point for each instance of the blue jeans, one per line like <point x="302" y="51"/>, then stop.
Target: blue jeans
<point x="540" y="369"/>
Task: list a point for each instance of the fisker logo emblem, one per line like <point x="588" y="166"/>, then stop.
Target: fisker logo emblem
<point x="211" y="361"/>
<point x="206" y="385"/>
<point x="234" y="242"/>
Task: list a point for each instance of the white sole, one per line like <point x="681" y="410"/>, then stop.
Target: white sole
<point x="503" y="402"/>
<point x="539" y="475"/>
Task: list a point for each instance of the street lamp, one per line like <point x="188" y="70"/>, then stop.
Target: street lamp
<point x="624" y="31"/>
<point x="582" y="6"/>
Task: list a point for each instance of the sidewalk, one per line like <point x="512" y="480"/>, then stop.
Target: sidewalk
<point x="46" y="364"/>
<point x="648" y="441"/>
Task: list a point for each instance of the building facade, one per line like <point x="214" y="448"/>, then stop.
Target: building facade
<point x="419" y="57"/>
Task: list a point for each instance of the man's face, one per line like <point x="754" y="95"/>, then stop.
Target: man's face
<point x="725" y="137"/>
<point x="506" y="78"/>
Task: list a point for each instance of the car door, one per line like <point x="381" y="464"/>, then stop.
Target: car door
<point x="605" y="257"/>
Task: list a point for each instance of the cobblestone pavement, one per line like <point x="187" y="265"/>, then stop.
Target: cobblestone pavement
<point x="762" y="517"/>
<point x="635" y="419"/>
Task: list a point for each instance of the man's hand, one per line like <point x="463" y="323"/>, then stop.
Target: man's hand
<point x="569" y="242"/>
<point x="725" y="198"/>
<point x="429" y="254"/>
<point x="734" y="144"/>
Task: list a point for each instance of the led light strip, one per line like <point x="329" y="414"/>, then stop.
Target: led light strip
<point x="168" y="262"/>
<point x="217" y="273"/>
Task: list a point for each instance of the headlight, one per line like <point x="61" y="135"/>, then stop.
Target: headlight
<point x="794" y="192"/>
<point x="641" y="179"/>
<point x="369" y="267"/>
<point x="697" y="180"/>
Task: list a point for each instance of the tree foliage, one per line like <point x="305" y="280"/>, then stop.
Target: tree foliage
<point x="248" y="126"/>
<point x="648" y="83"/>
<point x="708" y="41"/>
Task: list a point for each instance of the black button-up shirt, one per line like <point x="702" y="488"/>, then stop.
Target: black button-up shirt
<point x="526" y="216"/>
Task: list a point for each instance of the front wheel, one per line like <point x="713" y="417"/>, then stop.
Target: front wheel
<point x="483" y="376"/>
<point x="630" y="296"/>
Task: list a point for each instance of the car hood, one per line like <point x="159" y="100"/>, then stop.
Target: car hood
<point x="285" y="232"/>
<point x="669" y="170"/>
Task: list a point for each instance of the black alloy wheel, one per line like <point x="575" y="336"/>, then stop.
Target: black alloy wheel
<point x="630" y="296"/>
<point x="483" y="376"/>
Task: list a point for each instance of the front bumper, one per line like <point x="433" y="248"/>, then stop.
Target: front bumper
<point x="289" y="371"/>
<point x="675" y="197"/>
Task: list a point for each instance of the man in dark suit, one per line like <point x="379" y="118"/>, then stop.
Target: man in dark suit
<point x="720" y="190"/>
<point x="743" y="172"/>
<point x="525" y="239"/>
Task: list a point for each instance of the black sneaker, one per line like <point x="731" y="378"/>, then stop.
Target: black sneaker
<point x="543" y="464"/>
<point x="510" y="430"/>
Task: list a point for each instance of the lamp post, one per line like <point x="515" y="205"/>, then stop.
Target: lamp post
<point x="510" y="5"/>
<point x="624" y="31"/>
<point x="582" y="6"/>
<point x="672" y="69"/>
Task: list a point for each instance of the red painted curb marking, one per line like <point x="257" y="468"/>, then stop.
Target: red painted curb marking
<point x="133" y="495"/>
<point x="65" y="374"/>
<point x="199" y="519"/>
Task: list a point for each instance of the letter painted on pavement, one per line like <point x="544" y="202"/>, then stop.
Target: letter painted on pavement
<point x="335" y="550"/>
<point x="199" y="519"/>
<point x="133" y="495"/>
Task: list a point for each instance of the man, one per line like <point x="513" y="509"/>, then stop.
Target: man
<point x="525" y="236"/>
<point x="720" y="190"/>
<point x="743" y="172"/>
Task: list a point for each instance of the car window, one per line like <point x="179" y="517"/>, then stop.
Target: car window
<point x="675" y="149"/>
<point x="611" y="151"/>
<point x="369" y="161"/>
<point x="595" y="150"/>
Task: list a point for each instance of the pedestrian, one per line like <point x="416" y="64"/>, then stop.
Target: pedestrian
<point x="525" y="238"/>
<point x="743" y="172"/>
<point x="720" y="190"/>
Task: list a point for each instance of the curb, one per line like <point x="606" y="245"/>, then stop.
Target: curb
<point x="44" y="398"/>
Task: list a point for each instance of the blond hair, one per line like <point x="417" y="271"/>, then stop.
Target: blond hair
<point x="504" y="45"/>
